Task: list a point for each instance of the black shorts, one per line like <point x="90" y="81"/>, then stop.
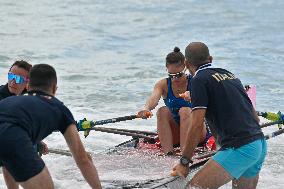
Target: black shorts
<point x="18" y="154"/>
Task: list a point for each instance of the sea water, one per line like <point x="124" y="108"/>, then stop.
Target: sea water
<point x="109" y="54"/>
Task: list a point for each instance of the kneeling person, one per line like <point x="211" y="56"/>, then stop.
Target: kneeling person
<point x="26" y="120"/>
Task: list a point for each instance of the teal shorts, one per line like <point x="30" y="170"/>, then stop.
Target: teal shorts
<point x="245" y="161"/>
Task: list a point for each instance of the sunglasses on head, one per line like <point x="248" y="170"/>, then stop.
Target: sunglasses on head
<point x="175" y="75"/>
<point x="18" y="79"/>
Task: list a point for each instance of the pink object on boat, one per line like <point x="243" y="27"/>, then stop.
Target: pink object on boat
<point x="251" y="91"/>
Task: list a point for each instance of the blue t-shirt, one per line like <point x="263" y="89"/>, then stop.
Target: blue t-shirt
<point x="229" y="111"/>
<point x="38" y="113"/>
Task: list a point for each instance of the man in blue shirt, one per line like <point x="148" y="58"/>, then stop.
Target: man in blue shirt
<point x="26" y="120"/>
<point x="218" y="96"/>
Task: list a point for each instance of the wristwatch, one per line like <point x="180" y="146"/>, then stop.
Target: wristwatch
<point x="185" y="161"/>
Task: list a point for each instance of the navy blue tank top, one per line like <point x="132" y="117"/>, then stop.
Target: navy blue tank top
<point x="174" y="103"/>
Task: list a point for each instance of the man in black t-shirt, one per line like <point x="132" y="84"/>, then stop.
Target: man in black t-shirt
<point x="17" y="82"/>
<point x="218" y="96"/>
<point x="26" y="120"/>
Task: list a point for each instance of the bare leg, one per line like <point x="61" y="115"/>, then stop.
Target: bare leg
<point x="42" y="180"/>
<point x="246" y="183"/>
<point x="185" y="114"/>
<point x="211" y="176"/>
<point x="9" y="180"/>
<point x="165" y="126"/>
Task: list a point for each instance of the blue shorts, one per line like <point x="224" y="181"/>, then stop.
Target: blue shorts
<point x="245" y="161"/>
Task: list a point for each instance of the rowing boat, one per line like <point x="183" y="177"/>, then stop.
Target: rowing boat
<point x="151" y="151"/>
<point x="140" y="163"/>
<point x="142" y="156"/>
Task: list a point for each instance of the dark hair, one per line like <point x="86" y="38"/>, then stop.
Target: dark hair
<point x="197" y="53"/>
<point x="42" y="77"/>
<point x="175" y="57"/>
<point x="22" y="64"/>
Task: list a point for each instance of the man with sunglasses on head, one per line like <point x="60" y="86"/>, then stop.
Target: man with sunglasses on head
<point x="173" y="118"/>
<point x="17" y="84"/>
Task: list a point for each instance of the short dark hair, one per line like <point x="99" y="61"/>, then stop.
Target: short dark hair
<point x="197" y="53"/>
<point x="175" y="57"/>
<point x="22" y="64"/>
<point x="42" y="77"/>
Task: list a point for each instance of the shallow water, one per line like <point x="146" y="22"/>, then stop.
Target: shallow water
<point x="109" y="54"/>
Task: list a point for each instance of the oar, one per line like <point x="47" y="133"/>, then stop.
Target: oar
<point x="116" y="131"/>
<point x="84" y="125"/>
<point x="271" y="123"/>
<point x="113" y="120"/>
<point x="274" y="134"/>
<point x="108" y="130"/>
<point x="60" y="152"/>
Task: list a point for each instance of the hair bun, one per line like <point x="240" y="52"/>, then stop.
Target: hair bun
<point x="176" y="49"/>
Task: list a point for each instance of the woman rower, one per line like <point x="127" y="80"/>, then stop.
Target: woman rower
<point x="173" y="118"/>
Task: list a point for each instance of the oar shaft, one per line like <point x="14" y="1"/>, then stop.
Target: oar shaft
<point x="113" y="120"/>
<point x="274" y="134"/>
<point x="131" y="131"/>
<point x="270" y="123"/>
<point x="60" y="152"/>
<point x="121" y="132"/>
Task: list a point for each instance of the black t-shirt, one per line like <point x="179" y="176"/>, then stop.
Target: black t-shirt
<point x="4" y="92"/>
<point x="39" y="114"/>
<point x="229" y="111"/>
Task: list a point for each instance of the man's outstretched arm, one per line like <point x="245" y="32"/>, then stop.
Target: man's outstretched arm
<point x="82" y="159"/>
